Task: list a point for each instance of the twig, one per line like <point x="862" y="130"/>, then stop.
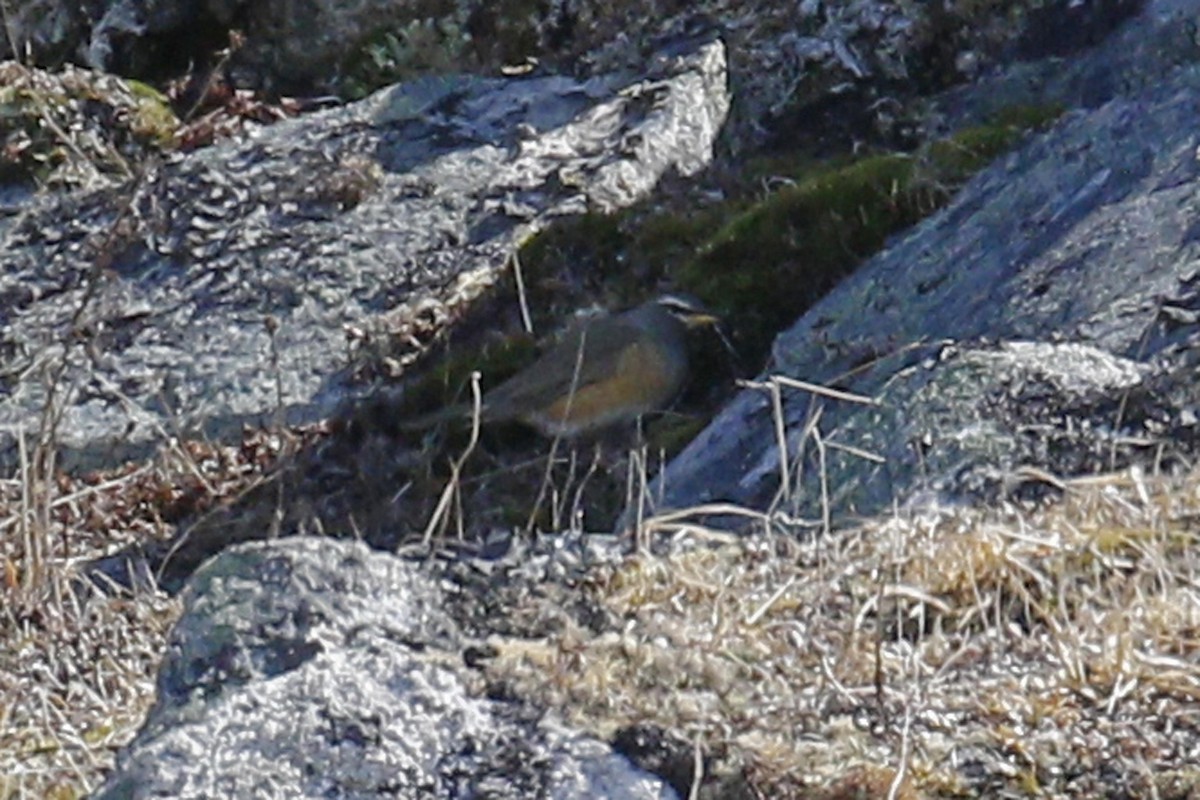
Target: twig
<point x="866" y="455"/>
<point x="11" y="33"/>
<point x="668" y="517"/>
<point x="905" y="749"/>
<point x="781" y="442"/>
<point x="762" y="610"/>
<point x="639" y="477"/>
<point x="522" y="299"/>
<point x="5" y="524"/>
<point x="577" y="503"/>
<point x="437" y="517"/>
<point x="548" y="476"/>
<point x="792" y="383"/>
<point x="823" y="474"/>
<point x="697" y="770"/>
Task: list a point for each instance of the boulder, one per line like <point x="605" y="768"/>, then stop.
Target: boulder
<point x="1083" y="238"/>
<point x="218" y="289"/>
<point x="312" y="668"/>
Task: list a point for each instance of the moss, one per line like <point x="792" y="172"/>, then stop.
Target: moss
<point x="670" y="238"/>
<point x="593" y="238"/>
<point x="770" y="262"/>
<point x="761" y="262"/>
<point x="758" y="261"/>
<point x="773" y="260"/>
<point x="74" y="125"/>
<point x="153" y="120"/>
<point x="1028" y="117"/>
<point x="507" y="31"/>
<point x="946" y="31"/>
<point x="613" y="260"/>
<point x="574" y="263"/>
<point x="439" y="37"/>
<point x="971" y="149"/>
<point x="671" y="433"/>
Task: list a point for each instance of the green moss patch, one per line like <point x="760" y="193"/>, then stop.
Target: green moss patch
<point x="771" y="261"/>
<point x="75" y="127"/>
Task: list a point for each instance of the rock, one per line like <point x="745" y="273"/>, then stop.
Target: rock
<point x="47" y="29"/>
<point x="989" y="422"/>
<point x="1084" y="236"/>
<point x="111" y="124"/>
<point x="822" y="71"/>
<point x="1043" y="325"/>
<point x="218" y="290"/>
<point x="310" y="668"/>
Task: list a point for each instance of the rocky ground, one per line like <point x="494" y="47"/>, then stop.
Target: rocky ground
<point x="943" y="546"/>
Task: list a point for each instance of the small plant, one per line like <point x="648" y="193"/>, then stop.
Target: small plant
<point x="419" y="47"/>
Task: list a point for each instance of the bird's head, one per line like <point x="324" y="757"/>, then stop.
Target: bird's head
<point x="687" y="309"/>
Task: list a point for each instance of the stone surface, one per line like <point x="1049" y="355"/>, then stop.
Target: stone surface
<point x="218" y="290"/>
<point x="984" y="422"/>
<point x="824" y="70"/>
<point x="1084" y="235"/>
<point x="313" y="668"/>
<point x="310" y="668"/>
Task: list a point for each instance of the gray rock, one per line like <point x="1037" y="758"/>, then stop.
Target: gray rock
<point x="1085" y="235"/>
<point x="1135" y="58"/>
<point x="985" y="422"/>
<point x="48" y="29"/>
<point x="795" y="67"/>
<point x="218" y="290"/>
<point x="311" y="668"/>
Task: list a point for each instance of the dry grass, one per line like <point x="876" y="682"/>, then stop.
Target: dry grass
<point x="1011" y="651"/>
<point x="76" y="677"/>
<point x="77" y="666"/>
<point x="978" y="652"/>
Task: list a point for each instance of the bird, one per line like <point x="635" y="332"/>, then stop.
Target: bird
<point x="609" y="369"/>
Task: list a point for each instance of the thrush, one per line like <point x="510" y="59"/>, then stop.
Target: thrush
<point x="609" y="369"/>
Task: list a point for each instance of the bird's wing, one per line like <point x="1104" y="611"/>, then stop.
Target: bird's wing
<point x="584" y="357"/>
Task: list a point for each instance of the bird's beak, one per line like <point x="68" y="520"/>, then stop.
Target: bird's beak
<point x="697" y="319"/>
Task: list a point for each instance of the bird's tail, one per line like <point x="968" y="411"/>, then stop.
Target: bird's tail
<point x="423" y="422"/>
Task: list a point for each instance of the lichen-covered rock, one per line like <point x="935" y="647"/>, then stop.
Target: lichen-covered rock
<point x="45" y="29"/>
<point x="77" y="128"/>
<point x="823" y="71"/>
<point x="312" y="668"/>
<point x="218" y="290"/>
<point x="986" y="423"/>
